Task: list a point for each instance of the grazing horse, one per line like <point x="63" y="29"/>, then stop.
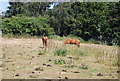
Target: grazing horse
<point x="72" y="41"/>
<point x="44" y="40"/>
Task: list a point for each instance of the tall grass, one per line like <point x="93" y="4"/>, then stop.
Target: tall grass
<point x="107" y="56"/>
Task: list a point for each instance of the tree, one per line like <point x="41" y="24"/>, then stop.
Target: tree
<point x="15" y="8"/>
<point x="36" y="8"/>
<point x="111" y="34"/>
<point x="29" y="8"/>
<point x="90" y="17"/>
<point x="61" y="20"/>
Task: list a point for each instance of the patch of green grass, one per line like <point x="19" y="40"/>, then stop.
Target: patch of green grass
<point x="60" y="52"/>
<point x="60" y="61"/>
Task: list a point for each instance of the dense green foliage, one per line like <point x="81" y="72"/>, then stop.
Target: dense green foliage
<point x="91" y="20"/>
<point x="21" y="25"/>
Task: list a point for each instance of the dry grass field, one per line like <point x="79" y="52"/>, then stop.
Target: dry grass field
<point x="28" y="59"/>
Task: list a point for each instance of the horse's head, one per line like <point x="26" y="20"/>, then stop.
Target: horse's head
<point x="77" y="42"/>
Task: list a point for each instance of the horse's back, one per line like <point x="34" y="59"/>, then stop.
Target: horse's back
<point x="72" y="41"/>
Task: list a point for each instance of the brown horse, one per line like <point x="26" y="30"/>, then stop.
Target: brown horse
<point x="72" y="41"/>
<point x="44" y="40"/>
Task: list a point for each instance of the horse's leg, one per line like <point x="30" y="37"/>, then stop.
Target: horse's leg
<point x="46" y="43"/>
<point x="43" y="43"/>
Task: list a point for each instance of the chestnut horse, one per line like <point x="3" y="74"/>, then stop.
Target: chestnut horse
<point x="72" y="41"/>
<point x="44" y="40"/>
